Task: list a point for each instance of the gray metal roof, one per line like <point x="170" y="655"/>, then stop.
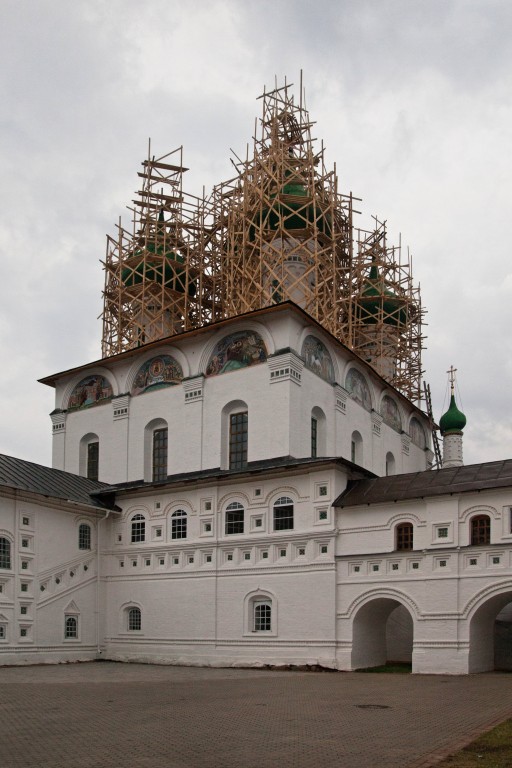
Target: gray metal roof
<point x="53" y="483"/>
<point x="432" y="482"/>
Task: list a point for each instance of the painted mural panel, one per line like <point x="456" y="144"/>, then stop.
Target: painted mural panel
<point x="161" y="371"/>
<point x="391" y="414"/>
<point x="317" y="358"/>
<point x="92" y="390"/>
<point x="238" y="350"/>
<point x="358" y="387"/>
<point x="417" y="433"/>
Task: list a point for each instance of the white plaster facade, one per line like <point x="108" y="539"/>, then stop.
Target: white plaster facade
<point x="329" y="587"/>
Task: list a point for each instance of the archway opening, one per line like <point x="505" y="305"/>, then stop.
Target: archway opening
<point x="490" y="635"/>
<point x="383" y="632"/>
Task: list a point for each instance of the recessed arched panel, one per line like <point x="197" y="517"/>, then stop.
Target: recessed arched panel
<point x="357" y="385"/>
<point x="390" y="413"/>
<point x="158" y="372"/>
<point x="93" y="390"/>
<point x="238" y="350"/>
<point x="317" y="358"/>
<point x="417" y="433"/>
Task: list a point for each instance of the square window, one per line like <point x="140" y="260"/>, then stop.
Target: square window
<point x="25" y="521"/>
<point x="301" y="551"/>
<point x="23" y="632"/>
<point x="375" y="567"/>
<point x="442" y="563"/>
<point x="247" y="555"/>
<point x="161" y="561"/>
<point x="119" y="537"/>
<point x="323" y="549"/>
<point x="191" y="559"/>
<point x="357" y="568"/>
<point x="207" y="527"/>
<point x="229" y="557"/>
<point x="121" y="563"/>
<point x="3" y="633"/>
<point x="24" y="565"/>
<point x="134" y="563"/>
<point x="264" y="555"/>
<point x="258" y="522"/>
<point x="23" y="610"/>
<point x="282" y="553"/>
<point x="147" y="561"/>
<point x="442" y="533"/>
<point x="176" y="560"/>
<point x="415" y="566"/>
<point x="473" y="561"/>
<point x="322" y="515"/>
<point x="257" y="491"/>
<point x="208" y="506"/>
<point x="208" y="558"/>
<point x="24" y="587"/>
<point x="24" y="543"/>
<point x="322" y="491"/>
<point x="394" y="567"/>
<point x="496" y="560"/>
<point x="158" y="533"/>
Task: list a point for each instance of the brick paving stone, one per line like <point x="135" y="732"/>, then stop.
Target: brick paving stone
<point x="111" y="715"/>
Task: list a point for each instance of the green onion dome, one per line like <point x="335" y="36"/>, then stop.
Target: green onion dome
<point x="453" y="420"/>
<point x="164" y="269"/>
<point x="376" y="298"/>
<point x="295" y="207"/>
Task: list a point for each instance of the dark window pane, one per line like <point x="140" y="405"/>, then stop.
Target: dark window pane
<point x="134" y="619"/>
<point x="84" y="536"/>
<point x="480" y="530"/>
<point x="93" y="460"/>
<point x="160" y="454"/>
<point x="314" y="437"/>
<point x="179" y="525"/>
<point x="5" y="553"/>
<point x="238" y="440"/>
<point x="138" y="528"/>
<point x="234" y="518"/>
<point x="404" y="536"/>
<point x="262" y="617"/>
<point x="283" y="515"/>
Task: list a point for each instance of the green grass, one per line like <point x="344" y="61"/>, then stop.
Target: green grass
<point x="492" y="750"/>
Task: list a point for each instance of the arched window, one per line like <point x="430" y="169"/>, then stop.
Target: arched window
<point x="5" y="553"/>
<point x="238" y="431"/>
<point x="134" y="619"/>
<point x="356" y="448"/>
<point x="138" y="528"/>
<point x="262" y="615"/>
<point x="71" y="627"/>
<point x="179" y="524"/>
<point x="480" y="530"/>
<point x="317" y="433"/>
<point x="160" y="454"/>
<point x="234" y="518"/>
<point x="84" y="536"/>
<point x="283" y="514"/>
<point x="404" y="536"/>
<point x="390" y="464"/>
<point x="89" y="456"/>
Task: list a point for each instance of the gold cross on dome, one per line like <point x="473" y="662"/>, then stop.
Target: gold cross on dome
<point x="451" y="372"/>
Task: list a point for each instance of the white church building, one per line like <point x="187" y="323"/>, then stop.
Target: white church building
<point x="249" y="484"/>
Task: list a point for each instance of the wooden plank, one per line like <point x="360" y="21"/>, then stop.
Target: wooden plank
<point x="170" y="198"/>
<point x="163" y="179"/>
<point x="164" y="166"/>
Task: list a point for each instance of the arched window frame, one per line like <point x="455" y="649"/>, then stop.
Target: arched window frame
<point x="71" y="627"/>
<point x="283" y="513"/>
<point x="390" y="464"/>
<point x="260" y="614"/>
<point x="133" y="619"/>
<point x="480" y="530"/>
<point x="138" y="528"/>
<point x="84" y="536"/>
<point x="234" y="517"/>
<point x="179" y="524"/>
<point x="356" y="448"/>
<point x="234" y="436"/>
<point x="5" y="553"/>
<point x="156" y="451"/>
<point x="318" y="430"/>
<point x="89" y="456"/>
<point x="404" y="536"/>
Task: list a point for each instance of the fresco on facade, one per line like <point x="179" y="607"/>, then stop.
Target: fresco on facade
<point x="161" y="371"/>
<point x="238" y="350"/>
<point x="317" y="358"/>
<point x="92" y="390"/>
<point x="357" y="385"/>
<point x="417" y="433"/>
<point x="390" y="413"/>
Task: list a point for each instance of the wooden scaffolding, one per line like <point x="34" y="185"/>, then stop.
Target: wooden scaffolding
<point x="279" y="230"/>
<point x="160" y="277"/>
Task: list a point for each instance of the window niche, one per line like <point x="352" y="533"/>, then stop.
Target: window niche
<point x="89" y="456"/>
<point x="156" y="451"/>
<point x="234" y="435"/>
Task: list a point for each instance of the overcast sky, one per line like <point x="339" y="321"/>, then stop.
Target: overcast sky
<point x="411" y="97"/>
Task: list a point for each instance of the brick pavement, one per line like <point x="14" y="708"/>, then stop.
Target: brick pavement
<point x="110" y="715"/>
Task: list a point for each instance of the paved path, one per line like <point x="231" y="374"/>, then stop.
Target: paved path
<point x="108" y="715"/>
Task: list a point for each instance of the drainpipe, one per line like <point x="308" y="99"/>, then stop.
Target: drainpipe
<point x="98" y="578"/>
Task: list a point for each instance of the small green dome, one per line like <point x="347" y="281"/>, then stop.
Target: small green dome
<point x="375" y="296"/>
<point x="453" y="420"/>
